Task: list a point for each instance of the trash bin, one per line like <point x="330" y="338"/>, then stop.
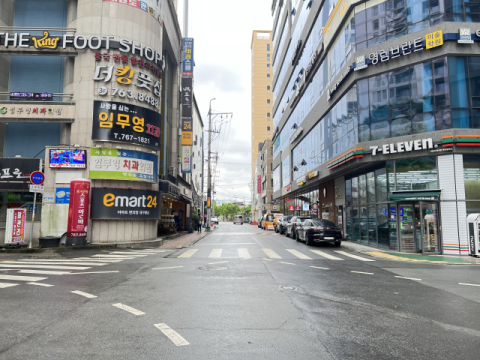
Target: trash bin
<point x="49" y="242"/>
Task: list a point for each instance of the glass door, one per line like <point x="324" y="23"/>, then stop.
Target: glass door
<point x="430" y="233"/>
<point x="407" y="227"/>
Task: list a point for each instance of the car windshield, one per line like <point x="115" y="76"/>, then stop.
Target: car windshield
<point x="286" y="218"/>
<point x="328" y="223"/>
<point x="303" y="218"/>
<point x="270" y="217"/>
<point x="317" y="222"/>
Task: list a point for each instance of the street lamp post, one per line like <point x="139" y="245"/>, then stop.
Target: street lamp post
<point x="209" y="191"/>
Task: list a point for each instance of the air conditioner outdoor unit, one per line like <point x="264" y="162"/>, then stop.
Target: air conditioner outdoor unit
<point x="171" y="171"/>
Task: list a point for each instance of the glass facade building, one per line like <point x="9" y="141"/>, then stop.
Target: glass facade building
<point x="360" y="89"/>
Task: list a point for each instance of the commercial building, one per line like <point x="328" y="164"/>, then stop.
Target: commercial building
<point x="91" y="88"/>
<point x="262" y="96"/>
<point x="377" y="119"/>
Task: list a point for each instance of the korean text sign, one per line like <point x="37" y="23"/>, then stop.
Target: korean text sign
<point x="113" y="121"/>
<point x="125" y="204"/>
<point x="186" y="159"/>
<point x="78" y="208"/>
<point x="15" y="226"/>
<point x="187" y="58"/>
<point x="187" y="88"/>
<point x="130" y="165"/>
<point x="259" y="184"/>
<point x="17" y="169"/>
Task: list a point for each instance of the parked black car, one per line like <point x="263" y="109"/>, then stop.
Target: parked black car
<point x="293" y="223"/>
<point x="281" y="225"/>
<point x="316" y="230"/>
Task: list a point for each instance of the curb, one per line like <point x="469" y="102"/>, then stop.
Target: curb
<point x="402" y="259"/>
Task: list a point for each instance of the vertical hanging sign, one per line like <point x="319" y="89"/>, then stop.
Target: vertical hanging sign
<point x="259" y="184"/>
<point x="186" y="159"/>
<point x="187" y="58"/>
<point x="78" y="208"/>
<point x="15" y="226"/>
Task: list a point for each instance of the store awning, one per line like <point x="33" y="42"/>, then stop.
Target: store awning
<point x="415" y="195"/>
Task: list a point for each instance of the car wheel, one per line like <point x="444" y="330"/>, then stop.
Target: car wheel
<point x="286" y="233"/>
<point x="337" y="243"/>
<point x="308" y="242"/>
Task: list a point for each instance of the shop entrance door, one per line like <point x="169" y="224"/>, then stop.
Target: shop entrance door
<point x="418" y="227"/>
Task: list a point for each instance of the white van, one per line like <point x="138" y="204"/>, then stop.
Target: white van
<point x="238" y="220"/>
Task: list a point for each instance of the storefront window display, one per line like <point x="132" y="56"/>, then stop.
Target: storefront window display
<point x="471" y="175"/>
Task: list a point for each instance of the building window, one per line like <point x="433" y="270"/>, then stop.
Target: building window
<point x="268" y="67"/>
<point x="268" y="103"/>
<point x="268" y="47"/>
<point x="268" y="77"/>
<point x="268" y="116"/>
<point x="268" y="130"/>
<point x="268" y="57"/>
<point x="268" y="89"/>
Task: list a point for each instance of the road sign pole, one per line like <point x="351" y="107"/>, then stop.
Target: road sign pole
<point x="33" y="219"/>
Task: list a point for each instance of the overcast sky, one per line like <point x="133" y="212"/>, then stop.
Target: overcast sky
<point x="222" y="30"/>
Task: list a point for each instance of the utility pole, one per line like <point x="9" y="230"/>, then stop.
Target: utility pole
<point x="210" y="131"/>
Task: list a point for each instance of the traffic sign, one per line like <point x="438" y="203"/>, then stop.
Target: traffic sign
<point x="36" y="188"/>
<point x="37" y="178"/>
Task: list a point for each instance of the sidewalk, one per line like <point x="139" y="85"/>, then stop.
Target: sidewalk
<point x="185" y="240"/>
<point x="391" y="255"/>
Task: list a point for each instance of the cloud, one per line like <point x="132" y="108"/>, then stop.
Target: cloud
<point x="223" y="79"/>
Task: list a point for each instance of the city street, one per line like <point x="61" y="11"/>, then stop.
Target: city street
<point x="239" y="293"/>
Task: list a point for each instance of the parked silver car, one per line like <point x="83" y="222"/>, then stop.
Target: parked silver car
<point x="293" y="223"/>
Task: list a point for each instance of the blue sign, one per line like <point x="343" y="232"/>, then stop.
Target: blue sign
<point x="187" y="57"/>
<point x="62" y="195"/>
<point x="29" y="208"/>
<point x="37" y="178"/>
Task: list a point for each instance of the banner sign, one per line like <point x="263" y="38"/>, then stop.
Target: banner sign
<point x="112" y="164"/>
<point x="22" y="111"/>
<point x="113" y="121"/>
<point x="125" y="204"/>
<point x="187" y="88"/>
<point x="186" y="159"/>
<point x="15" y="226"/>
<point x="62" y="195"/>
<point x="259" y="184"/>
<point x="187" y="57"/>
<point x="17" y="169"/>
<point x="151" y="7"/>
<point x="187" y="133"/>
<point x="78" y="208"/>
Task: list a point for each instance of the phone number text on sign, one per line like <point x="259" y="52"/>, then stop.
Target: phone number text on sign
<point x="131" y="124"/>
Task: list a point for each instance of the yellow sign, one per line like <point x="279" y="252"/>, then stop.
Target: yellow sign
<point x="342" y="12"/>
<point x="434" y="39"/>
<point x="45" y="42"/>
<point x="208" y="202"/>
<point x="187" y="138"/>
<point x="312" y="174"/>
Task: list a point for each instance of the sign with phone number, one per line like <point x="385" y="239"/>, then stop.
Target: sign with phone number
<point x="126" y="123"/>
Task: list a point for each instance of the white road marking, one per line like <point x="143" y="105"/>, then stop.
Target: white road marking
<point x="243" y="253"/>
<point x="170" y="267"/>
<point x="54" y="267"/>
<point x="110" y="261"/>
<point x="325" y="255"/>
<point x="40" y="284"/>
<point x="361" y="272"/>
<point x="353" y="256"/>
<point x="408" y="278"/>
<point x="44" y="272"/>
<point x="129" y="309"/>
<point x="129" y="253"/>
<point x="61" y="263"/>
<point x="282" y="262"/>
<point x="188" y="253"/>
<point x="95" y="272"/>
<point x="468" y="284"/>
<point x="6" y="285"/>
<point x="21" y="278"/>
<point x="67" y="261"/>
<point x="271" y="254"/>
<point x="267" y="259"/>
<point x="172" y="335"/>
<point x="219" y="262"/>
<point x="299" y="254"/>
<point x="216" y="253"/>
<point x="123" y="257"/>
<point x="318" y="267"/>
<point x="87" y="295"/>
<point x="216" y="244"/>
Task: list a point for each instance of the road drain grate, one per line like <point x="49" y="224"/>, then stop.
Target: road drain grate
<point x="213" y="268"/>
<point x="288" y="287"/>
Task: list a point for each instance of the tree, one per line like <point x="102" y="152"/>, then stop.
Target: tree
<point x="247" y="211"/>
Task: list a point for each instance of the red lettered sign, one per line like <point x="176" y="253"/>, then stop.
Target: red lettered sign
<point x="18" y="228"/>
<point x="259" y="184"/>
<point x="78" y="208"/>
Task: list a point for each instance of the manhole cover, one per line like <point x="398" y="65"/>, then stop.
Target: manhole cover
<point x="288" y="288"/>
<point x="213" y="268"/>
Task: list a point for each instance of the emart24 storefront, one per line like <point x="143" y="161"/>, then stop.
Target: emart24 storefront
<point x="411" y="194"/>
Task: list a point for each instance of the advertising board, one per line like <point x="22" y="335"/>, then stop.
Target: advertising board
<point x="113" y="121"/>
<point x="15" y="226"/>
<point x="125" y="204"/>
<point x="113" y="164"/>
<point x="78" y="208"/>
<point x="67" y="158"/>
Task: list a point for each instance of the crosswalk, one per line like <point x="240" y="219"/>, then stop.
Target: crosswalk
<point x="35" y="271"/>
<point x="244" y="253"/>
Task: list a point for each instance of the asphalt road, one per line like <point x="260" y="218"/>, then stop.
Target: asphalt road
<point x="240" y="293"/>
